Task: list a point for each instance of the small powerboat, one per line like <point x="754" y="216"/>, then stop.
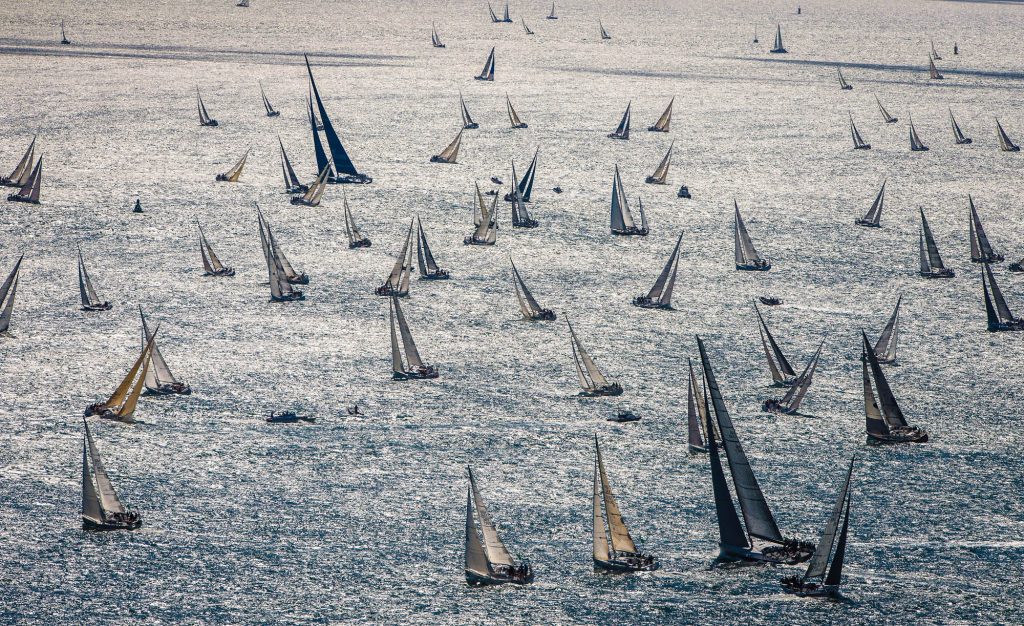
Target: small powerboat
<point x="624" y="416"/>
<point x="138" y="206"/>
<point x="684" y="192"/>
<point x="497" y="181"/>
<point x="556" y="189"/>
<point x="353" y="410"/>
<point x="770" y="300"/>
<point x="287" y="417"/>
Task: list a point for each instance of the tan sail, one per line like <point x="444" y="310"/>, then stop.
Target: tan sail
<point x="235" y="172"/>
<point x="600" y="533"/>
<point x="621" y="540"/>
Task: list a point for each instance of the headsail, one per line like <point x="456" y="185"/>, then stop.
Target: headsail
<point x="528" y="305"/>
<point x="342" y="163"/>
<point x="24" y="167"/>
<point x="233" y="174"/>
<point x="451" y="153"/>
<point x="467" y="121"/>
<point x="621" y="541"/>
<point x="885" y="347"/>
<point x="795" y="396"/>
<point x="98" y="499"/>
<point x="933" y="73"/>
<point x="745" y="253"/>
<point x="694" y="415"/>
<point x="434" y="38"/>
<point x="665" y="120"/>
<point x="661" y="292"/>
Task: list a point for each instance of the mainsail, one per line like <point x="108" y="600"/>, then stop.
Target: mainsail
<point x="874" y="215"/>
<point x="520" y="215"/>
<point x="608" y="523"/>
<point x="280" y="288"/>
<point x="552" y="16"/>
<point x="494" y="18"/>
<point x="351" y="231"/>
<point x="660" y="175"/>
<point x="757" y="515"/>
<point x="622" y="130"/>
<point x="204" y="117"/>
<point x="916" y="145"/>
<point x="513" y="117"/>
<point x="885" y="114"/>
<point x="881" y="409"/>
<point x="23" y="169"/>
<point x="528" y="305"/>
<point x="777" y="48"/>
<point x="342" y="163"/>
<point x="412" y="356"/>
<point x="85" y="288"/>
<point x="525" y="185"/>
<point x="665" y="120"/>
<point x="604" y="33"/>
<point x="494" y="551"/>
<point x="8" y="290"/>
<point x="488" y="71"/>
<point x="434" y="38"/>
<point x="158" y="374"/>
<point x="981" y="249"/>
<point x="621" y="217"/>
<point x="885" y="347"/>
<point x="315" y="191"/>
<point x="745" y="253"/>
<point x="931" y="262"/>
<point x="933" y="73"/>
<point x="1005" y="143"/>
<point x="29" y="191"/>
<point x="999" y="315"/>
<point x="661" y="292"/>
<point x="424" y="258"/>
<point x="291" y="181"/>
<point x="958" y="134"/>
<point x="842" y="81"/>
<point x="99" y="499"/>
<point x="233" y="174"/>
<point x="467" y="121"/>
<point x="790" y="402"/>
<point x="123" y="401"/>
<point x="525" y="27"/>
<point x="782" y="372"/>
<point x="935" y="55"/>
<point x="818" y="564"/>
<point x="858" y="141"/>
<point x="590" y="377"/>
<point x="696" y="414"/>
<point x="398" y="280"/>
<point x="211" y="263"/>
<point x="451" y="153"/>
<point x="266" y="103"/>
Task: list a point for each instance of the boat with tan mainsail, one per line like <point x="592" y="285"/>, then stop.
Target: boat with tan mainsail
<point x="614" y="548"/>
<point x="120" y="406"/>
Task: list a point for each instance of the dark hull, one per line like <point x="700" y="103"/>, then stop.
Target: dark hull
<point x="526" y="224"/>
<point x="181" y="389"/>
<point x="1016" y="267"/>
<point x="300" y="201"/>
<point x="362" y="243"/>
<point x="479" y="580"/>
<point x="349" y="179"/>
<point x="472" y="126"/>
<point x="921" y="149"/>
<point x="770" y="301"/>
<point x="916" y="437"/>
<point x="654" y="181"/>
<point x="106" y="306"/>
<point x="223" y="178"/>
<point x="995" y="258"/>
<point x="489" y="78"/>
<point x="469" y="241"/>
<point x="1006" y="326"/>
<point x="965" y="141"/>
<point x="778" y="51"/>
<point x="544" y="315"/>
<point x="655" y="129"/>
<point x="611" y="390"/>
<point x="273" y="113"/>
<point x="386" y="291"/>
<point x="646" y="303"/>
<point x="520" y="126"/>
<point x="227" y="271"/>
<point x="867" y="224"/>
<point x="866" y="146"/>
<point x="294" y="297"/>
<point x="945" y="273"/>
<point x="621" y="567"/>
<point x="19" y="198"/>
<point x="631" y="232"/>
<point x="439" y="159"/>
<point x="210" y="123"/>
<point x="297" y="189"/>
<point x="438" y="275"/>
<point x="684" y="192"/>
<point x="301" y="279"/>
<point x="811" y="590"/>
<point x="754" y="268"/>
<point x="618" y="136"/>
<point x="88" y="524"/>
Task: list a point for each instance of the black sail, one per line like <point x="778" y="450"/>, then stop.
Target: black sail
<point x="730" y="530"/>
<point x="341" y="160"/>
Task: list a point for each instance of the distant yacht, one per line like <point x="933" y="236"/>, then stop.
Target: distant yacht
<point x="488" y="71"/>
<point x="271" y="112"/>
<point x="790" y="403"/>
<point x="233" y="174"/>
<point x="412" y="367"/>
<point x="782" y="372"/>
<point x="660" y="295"/>
<point x="159" y="379"/>
<point x="211" y="263"/>
<point x="888" y="341"/>
<point x="528" y="305"/>
<point x="747" y="257"/>
<point x="842" y="81"/>
<point x="661" y="126"/>
<point x="858" y="141"/>
<point x="552" y="16"/>
<point x="958" y="134"/>
<point x="488" y="562"/>
<point x="591" y="379"/>
<point x="428" y="267"/>
<point x="29" y="191"/>
<point x="121" y="404"/>
<point x="614" y="548"/>
<point x="1005" y="143"/>
<point x="8" y="290"/>
<point x="435" y="40"/>
<point x="622" y="130"/>
<point x="816" y="582"/>
<point x="506" y="18"/>
<point x="63" y="35"/>
<point x="513" y="117"/>
<point x="981" y="249"/>
<point x="604" y="33"/>
<point x="873" y="217"/>
<point x="735" y="544"/>
<point x="486" y="222"/>
<point x="451" y="153"/>
<point x="204" y="117"/>
<point x="885" y="421"/>
<point x="933" y="73"/>
<point x="660" y="175"/>
<point x="397" y="282"/>
<point x="621" y="218"/>
<point x="520" y="215"/>
<point x="314" y="192"/>
<point x="999" y="316"/>
<point x="23" y="170"/>
<point x="777" y="48"/>
<point x="931" y="262"/>
<point x="525" y="185"/>
<point x="355" y="238"/>
<point x="345" y="170"/>
<point x="916" y="145"/>
<point x="279" y="271"/>
<point x="291" y="181"/>
<point x="525" y="27"/>
<point x="467" y="121"/>
<point x="494" y="18"/>
<point x="885" y="114"/>
<point x="101" y="508"/>
<point x="935" y="54"/>
<point x="90" y="301"/>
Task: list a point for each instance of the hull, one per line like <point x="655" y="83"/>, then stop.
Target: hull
<point x="754" y="268"/>
<point x="273" y="113"/>
<point x="630" y="232"/>
<point x="386" y="290"/>
<point x="1006" y="327"/>
<point x="623" y="567"/>
<point x="19" y="198"/>
<point x="349" y="179"/>
<point x="945" y="273"/>
<point x="734" y="554"/>
<point x="654" y="181"/>
<point x="479" y="580"/>
<point x="613" y="389"/>
<point x="470" y="241"/>
<point x="106" y="306"/>
<point x="521" y="126"/>
<point x="618" y="136"/>
<point x="362" y="243"/>
<point x="778" y="51"/>
<point x="472" y="126"/>
<point x="867" y="224"/>
<point x="697" y="449"/>
<point x="1016" y="267"/>
<point x="210" y="123"/>
<point x="94" y="525"/>
<point x="301" y="279"/>
<point x="179" y="389"/>
<point x="294" y="297"/>
<point x="646" y="303"/>
<point x="526" y="224"/>
<point x="684" y="192"/>
<point x="965" y="141"/>
<point x="440" y="159"/>
<point x="438" y="275"/>
<point x="770" y="301"/>
<point x="655" y="129"/>
<point x="544" y="315"/>
<point x="995" y="258"/>
<point x="866" y="146"/>
<point x="227" y="271"/>
<point x="918" y="436"/>
<point x="303" y="202"/>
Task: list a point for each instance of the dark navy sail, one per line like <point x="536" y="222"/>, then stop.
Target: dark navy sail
<point x="342" y="163"/>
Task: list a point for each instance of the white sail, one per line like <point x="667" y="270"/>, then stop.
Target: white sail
<point x="874" y="215"/>
<point x="8" y="291"/>
<point x="24" y="166"/>
<point x="745" y="252"/>
<point x="412" y="355"/>
<point x="596" y="378"/>
<point x="108" y="499"/>
<point x="476" y="560"/>
<point x="451" y="153"/>
<point x="85" y="288"/>
<point x="601" y="551"/>
<point x="620" y="538"/>
<point x="91" y="509"/>
<point x="662" y="125"/>
<point x="397" y="366"/>
<point x="159" y="373"/>
<point x="513" y="117"/>
<point x="1005" y="143"/>
<point x="621" y="217"/>
<point x="493" y="546"/>
<point x="661" y="292"/>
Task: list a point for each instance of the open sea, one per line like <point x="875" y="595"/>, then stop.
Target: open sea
<point x="359" y="520"/>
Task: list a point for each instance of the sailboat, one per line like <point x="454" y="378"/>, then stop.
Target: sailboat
<point x="528" y="305"/>
<point x="735" y="544"/>
<point x="232" y="175"/>
<point x="63" y="35"/>
<point x="318" y="147"/>
<point x="621" y="218"/>
<point x="591" y="379"/>
<point x="513" y="117"/>
<point x="614" y="548"/>
<point x="494" y="18"/>
<point x="822" y="579"/>
<point x="101" y="508"/>
<point x="791" y="401"/>
<point x="747" y="258"/>
<point x="8" y="290"/>
<point x="958" y="135"/>
<point x="23" y="169"/>
<point x="488" y="71"/>
<point x="981" y="249"/>
<point x="782" y="372"/>
<point x="525" y="185"/>
<point x="916" y="145"/>
<point x="885" y="114"/>
<point x="314" y="192"/>
<point x="271" y="112"/>
<point x="660" y="295"/>
<point x="435" y="40"/>
<point x="622" y="130"/>
<point x="1005" y="143"/>
<point x="525" y="27"/>
<point x="552" y="16"/>
<point x="90" y="301"/>
<point x="661" y="126"/>
<point x="506" y="18"/>
<point x="204" y="117"/>
<point x="935" y="55"/>
<point x="29" y="191"/>
<point x="999" y="316"/>
<point x="355" y="238"/>
<point x="412" y="367"/>
<point x="488" y="562"/>
<point x="696" y="416"/>
<point x="873" y="217"/>
<point x="1017" y="266"/>
<point x="520" y="215"/>
<point x="287" y="272"/>
<point x="121" y="404"/>
<point x="451" y="153"/>
<point x="604" y="33"/>
<point x="429" y="269"/>
<point x="242" y="3"/>
<point x="397" y="282"/>
<point x="931" y="262"/>
<point x="467" y="121"/>
<point x="291" y="181"/>
<point x="933" y="73"/>
<point x="159" y="379"/>
<point x="486" y="222"/>
<point x="660" y="175"/>
<point x="885" y="347"/>
<point x="842" y="81"/>
<point x="777" y="48"/>
<point x="345" y="170"/>
<point x="884" y="419"/>
<point x="211" y="263"/>
<point x="281" y="289"/>
<point x="858" y="141"/>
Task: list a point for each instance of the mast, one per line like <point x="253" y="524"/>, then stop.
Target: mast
<point x="756" y="514"/>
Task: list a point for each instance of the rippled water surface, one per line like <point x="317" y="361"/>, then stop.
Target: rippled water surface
<point x="360" y="520"/>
